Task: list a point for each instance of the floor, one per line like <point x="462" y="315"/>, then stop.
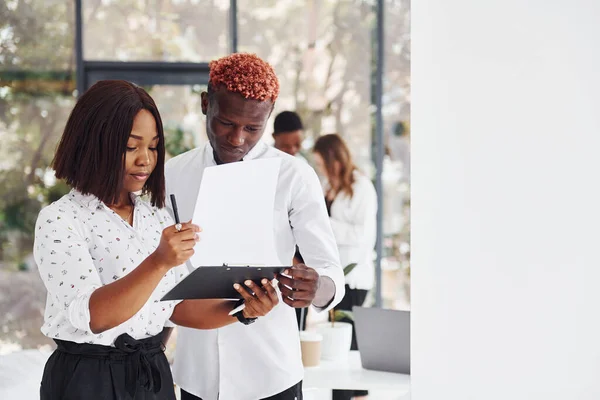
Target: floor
<point x="323" y="394"/>
<point x="319" y="394"/>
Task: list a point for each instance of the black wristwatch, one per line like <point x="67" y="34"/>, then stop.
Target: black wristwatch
<point x="240" y="314"/>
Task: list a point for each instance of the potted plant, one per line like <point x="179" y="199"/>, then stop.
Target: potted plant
<point x="337" y="335"/>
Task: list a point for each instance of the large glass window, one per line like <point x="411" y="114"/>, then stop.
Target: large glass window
<point x="395" y="263"/>
<point x="148" y="30"/>
<point x="321" y="51"/>
<point x="37" y="67"/>
<point x="180" y="111"/>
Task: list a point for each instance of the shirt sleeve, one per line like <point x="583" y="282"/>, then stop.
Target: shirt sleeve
<point x="312" y="231"/>
<point x="179" y="274"/>
<point x="170" y="324"/>
<point x="362" y="209"/>
<point x="66" y="266"/>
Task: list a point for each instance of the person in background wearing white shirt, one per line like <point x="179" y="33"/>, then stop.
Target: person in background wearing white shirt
<point x="351" y="202"/>
<point x="261" y="360"/>
<point x="107" y="257"/>
<point x="288" y="133"/>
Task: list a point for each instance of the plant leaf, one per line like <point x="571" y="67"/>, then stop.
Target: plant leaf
<point x="349" y="268"/>
<point x="341" y="314"/>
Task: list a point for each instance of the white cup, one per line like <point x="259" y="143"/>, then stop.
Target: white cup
<point x="310" y="343"/>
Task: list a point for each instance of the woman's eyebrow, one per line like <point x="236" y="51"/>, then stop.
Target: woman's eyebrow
<point x="141" y="138"/>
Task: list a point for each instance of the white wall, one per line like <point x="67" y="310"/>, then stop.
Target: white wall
<point x="505" y="199"/>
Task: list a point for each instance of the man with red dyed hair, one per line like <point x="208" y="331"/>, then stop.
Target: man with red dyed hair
<point x="261" y="360"/>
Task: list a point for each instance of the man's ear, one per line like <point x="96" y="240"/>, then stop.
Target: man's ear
<point x="204" y="100"/>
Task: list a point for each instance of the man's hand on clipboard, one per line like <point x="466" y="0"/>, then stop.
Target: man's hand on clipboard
<point x="261" y="302"/>
<point x="298" y="285"/>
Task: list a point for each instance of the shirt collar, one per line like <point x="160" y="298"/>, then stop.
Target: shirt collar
<point x="92" y="202"/>
<point x="257" y="151"/>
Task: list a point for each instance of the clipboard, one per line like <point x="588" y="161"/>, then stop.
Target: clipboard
<point x="216" y="282"/>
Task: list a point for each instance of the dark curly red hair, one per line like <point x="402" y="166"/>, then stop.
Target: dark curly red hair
<point x="245" y="74"/>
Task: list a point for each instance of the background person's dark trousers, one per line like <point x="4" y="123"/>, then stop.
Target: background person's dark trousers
<point x="301" y="317"/>
<point x="293" y="393"/>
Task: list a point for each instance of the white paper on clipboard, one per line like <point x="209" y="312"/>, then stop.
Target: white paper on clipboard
<point x="234" y="208"/>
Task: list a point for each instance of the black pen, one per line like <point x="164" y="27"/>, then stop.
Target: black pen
<point x="175" y="212"/>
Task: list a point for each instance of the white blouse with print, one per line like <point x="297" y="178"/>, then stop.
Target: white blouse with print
<point x="81" y="245"/>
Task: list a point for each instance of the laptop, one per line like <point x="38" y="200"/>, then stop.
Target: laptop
<point x="383" y="339"/>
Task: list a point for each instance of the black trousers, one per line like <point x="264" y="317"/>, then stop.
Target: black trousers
<point x="301" y="319"/>
<point x="293" y="393"/>
<point x="133" y="369"/>
<point x="353" y="297"/>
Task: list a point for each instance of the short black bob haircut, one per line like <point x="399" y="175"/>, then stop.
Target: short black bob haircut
<point x="91" y="154"/>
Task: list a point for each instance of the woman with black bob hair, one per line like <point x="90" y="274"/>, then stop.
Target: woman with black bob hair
<point x="107" y="256"/>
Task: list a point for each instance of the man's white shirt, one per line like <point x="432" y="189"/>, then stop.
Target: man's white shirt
<point x="250" y="362"/>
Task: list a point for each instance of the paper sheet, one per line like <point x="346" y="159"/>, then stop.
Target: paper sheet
<point x="235" y="211"/>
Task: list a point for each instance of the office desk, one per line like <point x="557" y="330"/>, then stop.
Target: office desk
<point x="21" y="373"/>
<point x="351" y="375"/>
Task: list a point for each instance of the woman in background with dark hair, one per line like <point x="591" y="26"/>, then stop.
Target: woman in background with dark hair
<point x="107" y="256"/>
<point x="352" y="206"/>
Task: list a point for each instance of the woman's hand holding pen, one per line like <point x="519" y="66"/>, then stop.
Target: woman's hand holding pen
<point x="176" y="246"/>
<point x="116" y="302"/>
